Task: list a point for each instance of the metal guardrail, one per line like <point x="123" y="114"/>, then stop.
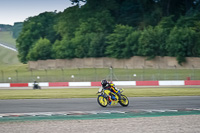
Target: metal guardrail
<point x="8" y="46"/>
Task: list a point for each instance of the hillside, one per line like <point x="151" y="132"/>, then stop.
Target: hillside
<point x="7" y="57"/>
<point x="6" y="38"/>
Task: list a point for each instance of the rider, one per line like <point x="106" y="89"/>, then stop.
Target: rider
<point x="109" y="86"/>
<point x="35" y="85"/>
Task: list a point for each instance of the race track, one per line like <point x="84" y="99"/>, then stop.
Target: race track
<point x="90" y="104"/>
<point x="176" y="114"/>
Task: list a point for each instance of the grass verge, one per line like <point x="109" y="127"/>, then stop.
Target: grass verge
<point x="91" y="93"/>
<point x="20" y="73"/>
<point x="8" y="57"/>
<point x="6" y="37"/>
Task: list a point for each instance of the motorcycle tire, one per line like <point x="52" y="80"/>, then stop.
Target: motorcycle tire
<point x="102" y="101"/>
<point x="124" y="101"/>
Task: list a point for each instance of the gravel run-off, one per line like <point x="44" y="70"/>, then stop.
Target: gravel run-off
<point x="163" y="124"/>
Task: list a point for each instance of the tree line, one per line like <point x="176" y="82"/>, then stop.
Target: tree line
<point x="113" y="28"/>
<point x="15" y="29"/>
<point x="4" y="27"/>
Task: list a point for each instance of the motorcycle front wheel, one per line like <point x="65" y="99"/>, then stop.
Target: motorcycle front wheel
<point x="124" y="101"/>
<point x="102" y="101"/>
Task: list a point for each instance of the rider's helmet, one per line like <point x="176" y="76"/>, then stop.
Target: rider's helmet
<point x="104" y="83"/>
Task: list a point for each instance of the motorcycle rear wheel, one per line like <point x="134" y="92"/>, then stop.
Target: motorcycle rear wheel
<point x="102" y="101"/>
<point x="124" y="101"/>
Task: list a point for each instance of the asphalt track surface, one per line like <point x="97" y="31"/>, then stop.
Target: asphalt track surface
<point x="186" y="121"/>
<point x="90" y="104"/>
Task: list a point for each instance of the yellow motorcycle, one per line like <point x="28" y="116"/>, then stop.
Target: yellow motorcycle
<point x="107" y="97"/>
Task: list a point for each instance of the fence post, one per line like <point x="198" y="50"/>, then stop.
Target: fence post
<point x="79" y="71"/>
<point x="127" y="73"/>
<point x="95" y="73"/>
<point x="16" y="75"/>
<point x="176" y="72"/>
<point x="193" y="72"/>
<point x="158" y="72"/>
<point x="31" y="75"/>
<point x="2" y="75"/>
<point x="111" y="73"/>
<point x="46" y="74"/>
<point x="142" y="73"/>
<point x="62" y="74"/>
<point x="31" y="72"/>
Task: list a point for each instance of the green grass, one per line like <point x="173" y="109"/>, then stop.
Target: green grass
<point x="91" y="93"/>
<point x="8" y="57"/>
<point x="20" y="73"/>
<point x="155" y="92"/>
<point x="6" y="37"/>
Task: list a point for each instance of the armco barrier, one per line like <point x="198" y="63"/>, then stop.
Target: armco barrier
<point x="4" y="84"/>
<point x="117" y="83"/>
<point x="95" y="83"/>
<point x="162" y="83"/>
<point x="147" y="83"/>
<point x="54" y="84"/>
<point x="19" y="85"/>
<point x="79" y="83"/>
<point x="125" y="83"/>
<point x="192" y="82"/>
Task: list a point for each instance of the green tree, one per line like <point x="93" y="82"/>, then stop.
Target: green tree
<point x="183" y="42"/>
<point x="90" y="35"/>
<point x="117" y="42"/>
<point x="167" y="23"/>
<point x="68" y="21"/>
<point x="41" y="50"/>
<point x="97" y="45"/>
<point x="175" y="7"/>
<point x="26" y="40"/>
<point x="152" y="42"/>
<point x="5" y="27"/>
<point x="114" y="28"/>
<point x="17" y="28"/>
<point x="34" y="28"/>
<point x="188" y="21"/>
<point x="130" y="13"/>
<point x="63" y="49"/>
<point x="132" y="44"/>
